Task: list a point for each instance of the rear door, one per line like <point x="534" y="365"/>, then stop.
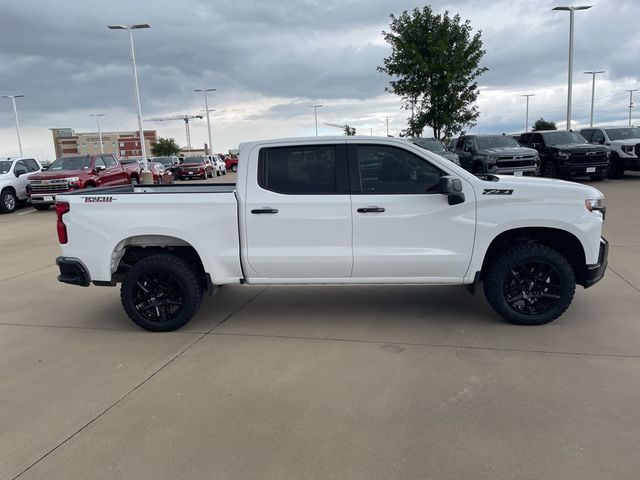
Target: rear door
<point x="115" y="174"/>
<point x="402" y="227"/>
<point x="298" y="214"/>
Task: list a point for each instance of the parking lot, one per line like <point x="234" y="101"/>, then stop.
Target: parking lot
<point x="318" y="382"/>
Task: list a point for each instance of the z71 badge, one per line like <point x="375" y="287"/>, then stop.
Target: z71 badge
<point x="497" y="191"/>
<point x="98" y="199"/>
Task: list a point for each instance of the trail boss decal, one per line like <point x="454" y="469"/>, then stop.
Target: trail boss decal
<point x="497" y="191"/>
<point x="98" y="199"/>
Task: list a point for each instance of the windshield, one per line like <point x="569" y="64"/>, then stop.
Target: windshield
<point x="193" y="160"/>
<point x="430" y="144"/>
<point x="70" y="163"/>
<point x="163" y="160"/>
<point x="623" y="133"/>
<point x="5" y="166"/>
<point x="496" y="141"/>
<point x="563" y="138"/>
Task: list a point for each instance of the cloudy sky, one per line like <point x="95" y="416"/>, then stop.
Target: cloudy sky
<point x="269" y="60"/>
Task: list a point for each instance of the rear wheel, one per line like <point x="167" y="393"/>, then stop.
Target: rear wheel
<point x="161" y="293"/>
<point x="616" y="169"/>
<point x="530" y="284"/>
<point x="549" y="170"/>
<point x="41" y="206"/>
<point x="234" y="168"/>
<point x="8" y="201"/>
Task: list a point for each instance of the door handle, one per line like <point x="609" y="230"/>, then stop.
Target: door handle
<point x="371" y="210"/>
<point x="265" y="210"/>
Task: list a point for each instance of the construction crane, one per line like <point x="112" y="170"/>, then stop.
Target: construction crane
<point x="185" y="118"/>
<point x="348" y="130"/>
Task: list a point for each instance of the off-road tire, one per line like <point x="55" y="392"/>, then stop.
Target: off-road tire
<point x="549" y="170"/>
<point x="178" y="272"/>
<point x="501" y="269"/>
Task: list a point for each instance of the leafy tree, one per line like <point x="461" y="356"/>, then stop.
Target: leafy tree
<point x="542" y="124"/>
<point x="349" y="131"/>
<point x="165" y="147"/>
<point x="434" y="64"/>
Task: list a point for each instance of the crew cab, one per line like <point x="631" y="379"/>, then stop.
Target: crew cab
<point x="624" y="147"/>
<point x="195" y="167"/>
<point x="567" y="154"/>
<point x="336" y="210"/>
<point x="14" y="175"/>
<point x="76" y="172"/>
<point x="496" y="154"/>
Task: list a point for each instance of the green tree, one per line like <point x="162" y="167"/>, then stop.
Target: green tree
<point x="434" y="64"/>
<point x="542" y="124"/>
<point x="165" y="147"/>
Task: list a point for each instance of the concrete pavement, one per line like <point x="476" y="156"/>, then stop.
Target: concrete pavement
<point x="309" y="382"/>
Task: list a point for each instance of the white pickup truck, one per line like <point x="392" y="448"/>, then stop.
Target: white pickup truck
<point x="336" y="210"/>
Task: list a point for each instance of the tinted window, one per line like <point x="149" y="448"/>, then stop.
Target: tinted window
<point x="5" y="166"/>
<point x="393" y="170"/>
<point x="598" y="137"/>
<point x="109" y="161"/>
<point x="496" y="141"/>
<point x="587" y="134"/>
<point x="563" y="138"/>
<point x="70" y="163"/>
<point x="20" y="165"/>
<point x="99" y="162"/>
<point x="302" y="169"/>
<point x="468" y="144"/>
<point x="32" y="165"/>
<point x="524" y="138"/>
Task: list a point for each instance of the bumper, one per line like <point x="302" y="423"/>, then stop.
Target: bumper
<point x="631" y="163"/>
<point x="45" y="198"/>
<point x="583" y="170"/>
<point x="595" y="272"/>
<point x="73" y="271"/>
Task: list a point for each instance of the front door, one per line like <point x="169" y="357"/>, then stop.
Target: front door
<point x="402" y="227"/>
<point x="298" y="216"/>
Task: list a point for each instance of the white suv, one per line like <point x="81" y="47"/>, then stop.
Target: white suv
<point x="14" y="173"/>
<point x="218" y="165"/>
<point x="623" y="143"/>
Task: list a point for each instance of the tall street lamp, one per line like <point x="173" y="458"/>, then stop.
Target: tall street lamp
<point x="315" y="113"/>
<point x="15" y="112"/>
<point x="526" y="115"/>
<point x="630" y="103"/>
<point x="147" y="177"/>
<point x="206" y="106"/>
<point x="571" y="11"/>
<point x="98" y="115"/>
<point x="593" y="73"/>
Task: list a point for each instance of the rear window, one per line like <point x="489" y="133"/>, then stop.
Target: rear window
<point x="298" y="170"/>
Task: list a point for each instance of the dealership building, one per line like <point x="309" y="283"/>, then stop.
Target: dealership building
<point x="122" y="144"/>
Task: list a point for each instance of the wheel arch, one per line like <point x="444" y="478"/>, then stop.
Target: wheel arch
<point x="564" y="242"/>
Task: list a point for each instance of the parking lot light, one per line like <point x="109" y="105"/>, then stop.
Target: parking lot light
<point x="146" y="174"/>
<point x="630" y="103"/>
<point x="15" y="113"/>
<point x="593" y="73"/>
<point x="571" y="11"/>
<point x="315" y="113"/>
<point x="526" y="115"/>
<point x="98" y="115"/>
<point x="206" y="107"/>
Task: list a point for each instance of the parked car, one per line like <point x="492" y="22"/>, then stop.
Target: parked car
<point x="302" y="212"/>
<point x="161" y="174"/>
<point x="231" y="163"/>
<point x="434" y="145"/>
<point x="14" y="175"/>
<point x="77" y="172"/>
<point x="567" y="154"/>
<point x="221" y="168"/>
<point x="170" y="163"/>
<point x="195" y="167"/>
<point x="624" y="147"/>
<point x="496" y="155"/>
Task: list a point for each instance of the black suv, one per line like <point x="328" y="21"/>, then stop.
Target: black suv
<point x="567" y="154"/>
<point x="495" y="154"/>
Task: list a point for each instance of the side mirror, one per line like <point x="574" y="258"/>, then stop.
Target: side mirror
<point x="100" y="168"/>
<point x="45" y="168"/>
<point x="601" y="141"/>
<point x="536" y="145"/>
<point x="452" y="187"/>
<point x="19" y="171"/>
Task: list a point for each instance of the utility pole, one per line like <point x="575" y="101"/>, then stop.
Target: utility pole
<point x="630" y="102"/>
<point x="593" y="73"/>
<point x="98" y="115"/>
<point x="526" y="115"/>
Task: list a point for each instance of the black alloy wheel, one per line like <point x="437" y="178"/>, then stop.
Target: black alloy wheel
<point x="532" y="288"/>
<point x="549" y="170"/>
<point x="161" y="293"/>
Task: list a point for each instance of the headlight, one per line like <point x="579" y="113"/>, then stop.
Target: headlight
<point x="72" y="179"/>
<point x="564" y="154"/>
<point x="596" y="205"/>
<point x="627" y="149"/>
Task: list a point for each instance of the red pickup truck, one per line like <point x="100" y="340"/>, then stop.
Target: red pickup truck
<point x="75" y="172"/>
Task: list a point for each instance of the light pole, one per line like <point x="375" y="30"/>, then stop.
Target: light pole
<point x="206" y="107"/>
<point x="147" y="177"/>
<point x="98" y="115"/>
<point x="593" y="73"/>
<point x="15" y="112"/>
<point x="571" y="11"/>
<point x="315" y="113"/>
<point x="630" y="103"/>
<point x="526" y="115"/>
<point x="387" y="120"/>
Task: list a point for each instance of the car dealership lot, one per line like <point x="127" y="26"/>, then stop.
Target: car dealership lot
<point x="317" y="382"/>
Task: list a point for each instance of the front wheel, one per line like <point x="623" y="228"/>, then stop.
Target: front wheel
<point x="530" y="284"/>
<point x="8" y="201"/>
<point x="161" y="293"/>
<point x="616" y="169"/>
<point x="549" y="170"/>
<point x="234" y="168"/>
